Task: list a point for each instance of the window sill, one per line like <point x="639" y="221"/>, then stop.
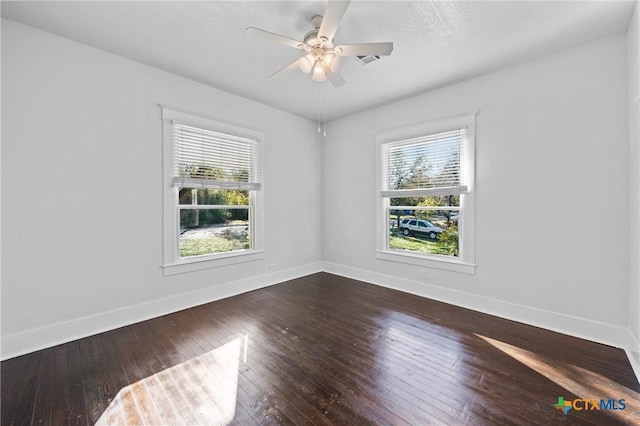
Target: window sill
<point x="208" y="262"/>
<point x="427" y="262"/>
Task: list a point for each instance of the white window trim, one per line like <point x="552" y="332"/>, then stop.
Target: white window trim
<point x="172" y="264"/>
<point x="466" y="262"/>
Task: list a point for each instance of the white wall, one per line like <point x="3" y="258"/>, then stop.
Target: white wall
<point x="552" y="178"/>
<point x="82" y="194"/>
<point x="633" y="49"/>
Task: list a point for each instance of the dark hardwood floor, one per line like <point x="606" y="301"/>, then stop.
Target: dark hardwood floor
<point x="321" y="350"/>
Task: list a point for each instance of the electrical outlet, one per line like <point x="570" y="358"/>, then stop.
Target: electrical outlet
<point x="425" y="275"/>
<point x="272" y="266"/>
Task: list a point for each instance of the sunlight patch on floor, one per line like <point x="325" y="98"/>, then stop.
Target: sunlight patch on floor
<point x="201" y="390"/>
<point x="579" y="381"/>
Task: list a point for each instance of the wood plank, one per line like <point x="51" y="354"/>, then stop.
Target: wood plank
<point x="20" y="379"/>
<point x="42" y="409"/>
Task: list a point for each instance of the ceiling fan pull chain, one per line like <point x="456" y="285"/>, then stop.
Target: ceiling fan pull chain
<point x="319" y="128"/>
<point x="324" y="110"/>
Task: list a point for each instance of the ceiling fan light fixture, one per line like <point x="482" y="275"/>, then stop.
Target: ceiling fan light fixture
<point x="318" y="72"/>
<point x="305" y="63"/>
<point x="332" y="62"/>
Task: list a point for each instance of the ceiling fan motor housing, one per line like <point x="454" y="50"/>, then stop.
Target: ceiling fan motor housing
<point x="311" y="38"/>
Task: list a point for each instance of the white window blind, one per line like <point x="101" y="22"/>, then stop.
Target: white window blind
<point x="207" y="159"/>
<point x="424" y="166"/>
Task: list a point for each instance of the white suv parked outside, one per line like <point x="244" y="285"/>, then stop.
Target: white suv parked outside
<point x="420" y="226"/>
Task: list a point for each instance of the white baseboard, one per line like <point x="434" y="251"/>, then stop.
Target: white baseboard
<point x="583" y="328"/>
<point x="39" y="338"/>
<point x="633" y="353"/>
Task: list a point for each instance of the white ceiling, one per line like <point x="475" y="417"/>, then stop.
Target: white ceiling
<point x="436" y="43"/>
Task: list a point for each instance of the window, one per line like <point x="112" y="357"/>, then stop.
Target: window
<point x="212" y="194"/>
<point x="213" y="221"/>
<point x="426" y="200"/>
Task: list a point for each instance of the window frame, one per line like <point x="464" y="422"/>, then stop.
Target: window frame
<point x="172" y="262"/>
<point x="465" y="262"/>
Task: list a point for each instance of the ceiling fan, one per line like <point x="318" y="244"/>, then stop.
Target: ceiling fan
<point x="319" y="55"/>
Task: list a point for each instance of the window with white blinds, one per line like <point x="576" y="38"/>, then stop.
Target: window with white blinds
<point x="208" y="159"/>
<point x="424" y="166"/>
<point x="426" y="194"/>
<point x="212" y="197"/>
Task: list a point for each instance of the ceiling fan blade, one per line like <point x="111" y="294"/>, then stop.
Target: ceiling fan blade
<point x="332" y="18"/>
<point x="267" y="35"/>
<point x="335" y="78"/>
<point x="292" y="66"/>
<point x="364" y="49"/>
